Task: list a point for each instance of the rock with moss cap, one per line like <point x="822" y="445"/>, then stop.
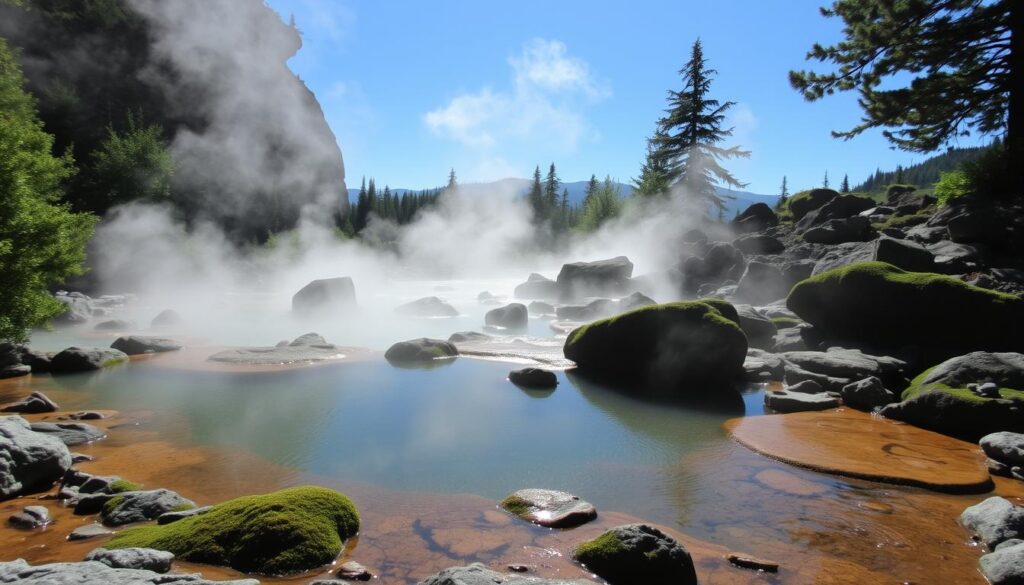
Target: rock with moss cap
<point x="422" y="350"/>
<point x="945" y="398"/>
<point x="280" y="533"/>
<point x="550" y="508"/>
<point x="139" y="506"/>
<point x="682" y="346"/>
<point x="637" y="553"/>
<point x="877" y="304"/>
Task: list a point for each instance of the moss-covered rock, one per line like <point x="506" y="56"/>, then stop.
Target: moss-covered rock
<point x="637" y="553"/>
<point x="284" y="532"/>
<point x="881" y="305"/>
<point x="684" y="346"/>
<point x="805" y="202"/>
<point x="940" y="400"/>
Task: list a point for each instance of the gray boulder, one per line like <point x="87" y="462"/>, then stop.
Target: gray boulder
<point x="540" y="308"/>
<point x="760" y="330"/>
<point x="1005" y="566"/>
<point x="146" y="559"/>
<point x="467" y="336"/>
<point x="89" y="531"/>
<point x="761" y="366"/>
<point x="785" y="401"/>
<point x="427" y="307"/>
<point x="549" y="508"/>
<point x="637" y="553"/>
<point x="167" y="319"/>
<point x="95" y="573"/>
<point x="867" y="394"/>
<point x="603" y="277"/>
<point x="34" y="403"/>
<point x="805" y="387"/>
<point x="86" y="359"/>
<point x="31" y="517"/>
<point x="422" y="350"/>
<point x="1005" y="369"/>
<point x="478" y="574"/>
<point x="114" y="325"/>
<point x="140" y="344"/>
<point x="904" y="254"/>
<point x="537" y="286"/>
<point x="762" y="283"/>
<point x="1005" y="447"/>
<point x="846" y="364"/>
<point x="28" y="460"/>
<point x="329" y="294"/>
<point x="838" y="231"/>
<point x="514" y="316"/>
<point x="994" y="520"/>
<point x="758" y="244"/>
<point x="71" y="434"/>
<point x="837" y="208"/>
<point x="128" y="507"/>
<point x="758" y="217"/>
<point x="801" y="205"/>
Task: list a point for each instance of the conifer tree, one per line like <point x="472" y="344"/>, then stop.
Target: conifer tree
<point x="690" y="132"/>
<point x="783" y="194"/>
<point x="551" y="184"/>
<point x="591" y="188"/>
<point x="825" y="182"/>
<point x="653" y="179"/>
<point x="844" y="187"/>
<point x="959" y="63"/>
<point x="362" y="211"/>
<point x="452" y="182"/>
<point x="536" y="195"/>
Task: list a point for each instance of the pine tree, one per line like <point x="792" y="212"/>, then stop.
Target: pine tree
<point x="690" y="132"/>
<point x="783" y="194"/>
<point x="563" y="211"/>
<point x="604" y="204"/>
<point x="653" y="179"/>
<point x="551" y="184"/>
<point x="362" y="209"/>
<point x="825" y="182"/>
<point x="899" y="174"/>
<point x="844" y="187"/>
<point x="960" y="63"/>
<point x="371" y="196"/>
<point x="591" y="188"/>
<point x="452" y="182"/>
<point x="536" y="196"/>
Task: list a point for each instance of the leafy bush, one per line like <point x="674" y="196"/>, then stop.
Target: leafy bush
<point x="41" y="241"/>
<point x="133" y="164"/>
<point x="951" y="185"/>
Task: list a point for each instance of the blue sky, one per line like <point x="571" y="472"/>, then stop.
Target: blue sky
<point x="493" y="89"/>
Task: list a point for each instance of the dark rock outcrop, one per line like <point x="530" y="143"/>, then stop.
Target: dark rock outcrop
<point x="139" y="344"/>
<point x="514" y="317"/>
<point x="586" y="279"/>
<point x="326" y="295"/>
<point x="533" y="378"/>
<point x="419" y="351"/>
<point x="86" y="359"/>
<point x="637" y="553"/>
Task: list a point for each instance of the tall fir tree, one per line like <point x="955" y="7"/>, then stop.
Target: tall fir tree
<point x="551" y="184"/>
<point x="536" y="196"/>
<point x="653" y="179"/>
<point x="844" y="187"/>
<point x="824" y="183"/>
<point x="362" y="211"/>
<point x="591" y="188"/>
<point x="783" y="194"/>
<point x="690" y="132"/>
<point x="453" y="183"/>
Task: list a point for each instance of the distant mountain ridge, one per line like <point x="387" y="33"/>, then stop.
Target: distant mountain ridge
<point x="736" y="201"/>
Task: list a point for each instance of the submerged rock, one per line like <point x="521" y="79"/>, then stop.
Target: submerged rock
<point x="478" y="574"/>
<point x="71" y="434"/>
<point x="280" y="533"/>
<point x="533" y="378"/>
<point x="145" y="559"/>
<point x="427" y="307"/>
<point x="353" y="571"/>
<point x="29" y="460"/>
<point x="994" y="520"/>
<point x="85" y="359"/>
<point x="420" y="350"/>
<point x="637" y="553"/>
<point x="34" y="403"/>
<point x="310" y="347"/>
<point x="140" y="344"/>
<point x="550" y="508"/>
<point x="684" y="345"/>
<point x="329" y="294"/>
<point x="95" y="573"/>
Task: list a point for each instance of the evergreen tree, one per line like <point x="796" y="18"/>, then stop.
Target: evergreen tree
<point x="536" y="196"/>
<point x="452" y="183"/>
<point x="604" y="204"/>
<point x="133" y="164"/>
<point x="41" y="241"/>
<point x="690" y="132"/>
<point x="362" y="209"/>
<point x="653" y="179"/>
<point x="844" y="187"/>
<point x="783" y="194"/>
<point x="591" y="188"/>
<point x="960" y="63"/>
<point x="551" y="184"/>
<point x="899" y="174"/>
<point x="371" y="196"/>
<point x="825" y="182"/>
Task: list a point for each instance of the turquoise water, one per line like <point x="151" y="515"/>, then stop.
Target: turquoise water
<point x="461" y="428"/>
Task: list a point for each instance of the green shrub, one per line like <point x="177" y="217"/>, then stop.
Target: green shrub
<point x="951" y="185"/>
<point x="284" y="532"/>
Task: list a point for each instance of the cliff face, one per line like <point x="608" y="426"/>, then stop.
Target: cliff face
<point x="250" y="142"/>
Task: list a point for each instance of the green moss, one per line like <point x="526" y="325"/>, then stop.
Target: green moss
<point x="123" y="485"/>
<point x="918" y="387"/>
<point x="112" y="504"/>
<point x="904" y="221"/>
<point x="878" y="303"/>
<point x="114" y="362"/>
<point x="785" y="322"/>
<point x="603" y="549"/>
<point x="182" y="507"/>
<point x="724" y="307"/>
<point x="515" y="505"/>
<point x="280" y="533"/>
<point x="704" y="310"/>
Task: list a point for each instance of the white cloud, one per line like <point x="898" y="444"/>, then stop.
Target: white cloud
<point x="550" y="89"/>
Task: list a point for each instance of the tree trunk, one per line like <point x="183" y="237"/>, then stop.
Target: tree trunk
<point x="1015" y="108"/>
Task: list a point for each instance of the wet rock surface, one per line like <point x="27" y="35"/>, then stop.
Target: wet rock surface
<point x="422" y="350"/>
<point x="128" y="507"/>
<point x="785" y="401"/>
<point x="31" y="517"/>
<point x="994" y="520"/>
<point x="140" y="344"/>
<point x="145" y="559"/>
<point x="34" y="403"/>
<point x="479" y="574"/>
<point x="86" y="359"/>
<point x="29" y="460"/>
<point x="533" y="378"/>
<point x="550" y="508"/>
<point x="637" y="553"/>
<point x="96" y="573"/>
<point x="310" y="347"/>
<point x="70" y="434"/>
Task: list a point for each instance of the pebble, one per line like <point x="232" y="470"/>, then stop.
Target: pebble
<point x="355" y="571"/>
<point x="749" y="562"/>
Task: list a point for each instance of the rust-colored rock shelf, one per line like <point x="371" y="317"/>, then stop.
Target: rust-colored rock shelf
<point x="854" y="444"/>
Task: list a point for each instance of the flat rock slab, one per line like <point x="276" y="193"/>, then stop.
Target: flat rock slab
<point x="854" y="444"/>
<point x="518" y="349"/>
<point x="270" y="356"/>
<point x="550" y="508"/>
